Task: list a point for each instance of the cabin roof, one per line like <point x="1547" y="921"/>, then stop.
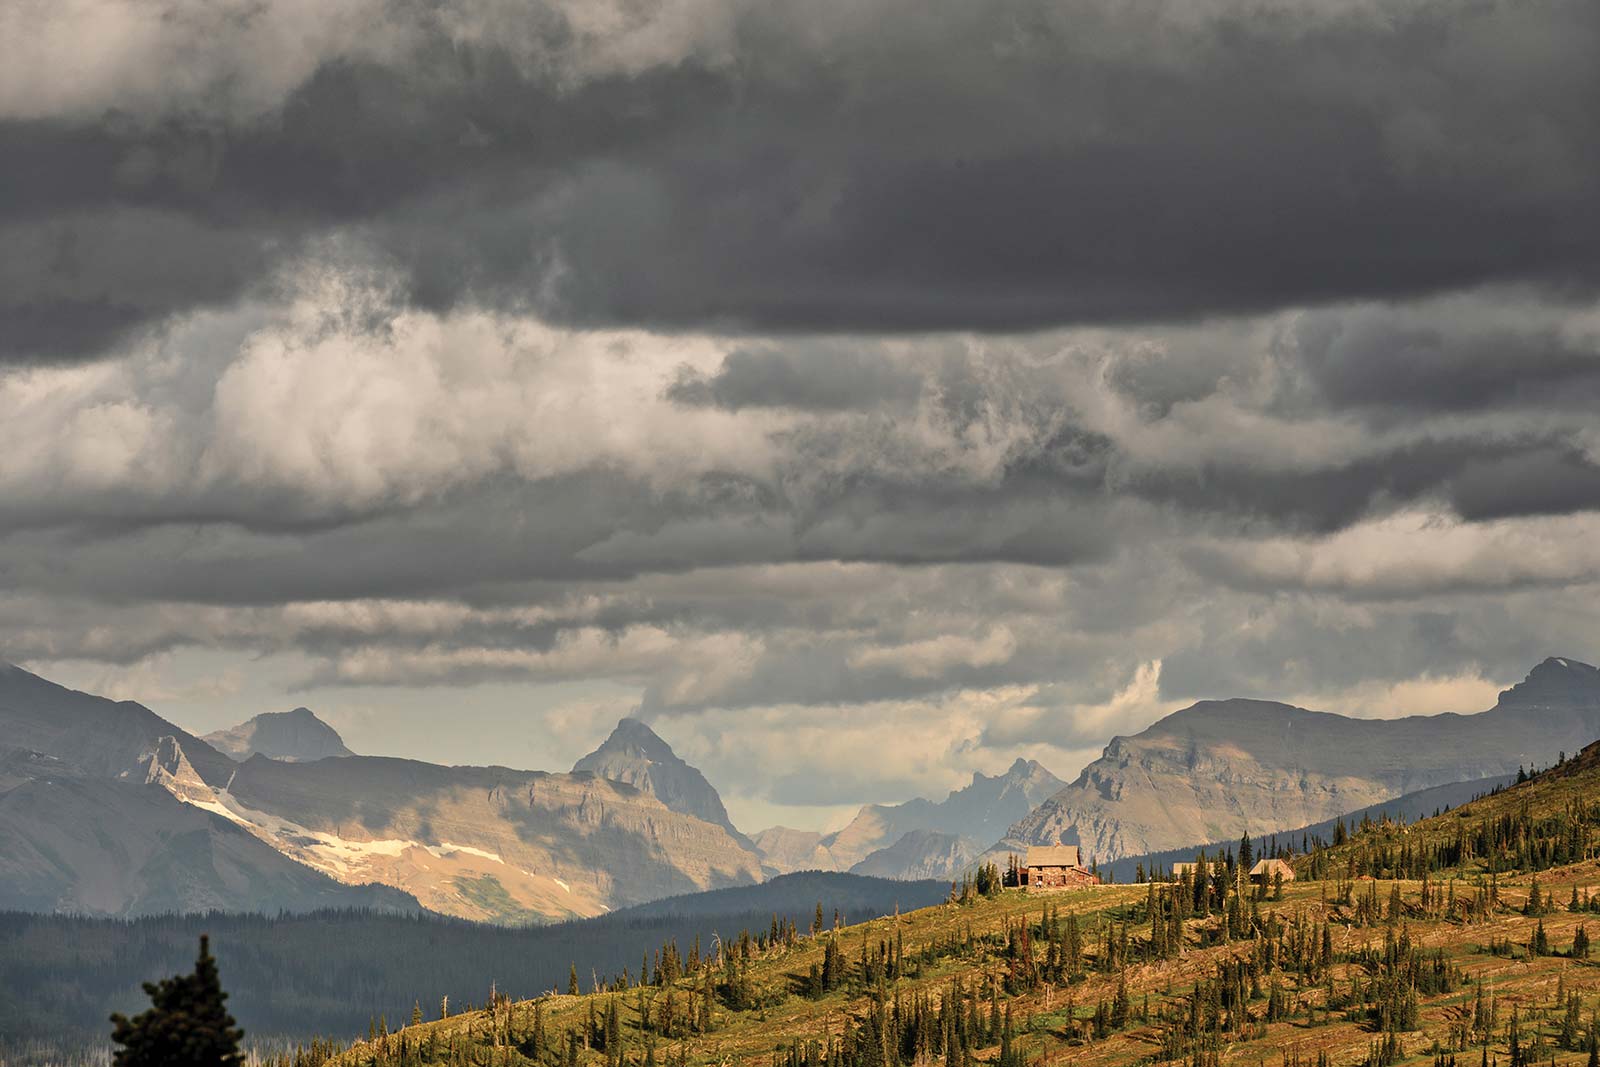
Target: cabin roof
<point x="1052" y="856"/>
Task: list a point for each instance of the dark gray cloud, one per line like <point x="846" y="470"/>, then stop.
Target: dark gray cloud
<point x="1006" y="373"/>
<point x="1535" y="481"/>
<point x="1384" y="358"/>
<point x="826" y="376"/>
<point x="887" y="167"/>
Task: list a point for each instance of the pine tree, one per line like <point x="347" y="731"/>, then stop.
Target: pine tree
<point x="1121" y="1007"/>
<point x="187" y="1024"/>
<point x="572" y="981"/>
<point x="1540" y="945"/>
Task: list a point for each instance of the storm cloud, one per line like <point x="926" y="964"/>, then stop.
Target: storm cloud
<point x="1008" y="374"/>
<point x="730" y="165"/>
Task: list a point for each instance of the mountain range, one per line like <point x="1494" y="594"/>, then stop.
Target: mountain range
<point x="920" y="838"/>
<point x="96" y="817"/>
<point x="107" y="808"/>
<point x="1223" y="768"/>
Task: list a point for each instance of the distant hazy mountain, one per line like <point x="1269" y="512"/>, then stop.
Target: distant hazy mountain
<point x="1225" y="767"/>
<point x="634" y="754"/>
<point x="297" y="736"/>
<point x="920" y="854"/>
<point x="784" y="848"/>
<point x="106" y="807"/>
<point x="975" y="815"/>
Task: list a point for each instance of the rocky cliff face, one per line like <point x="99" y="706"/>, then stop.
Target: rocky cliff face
<point x="485" y="842"/>
<point x="296" y="736"/>
<point x="636" y="756"/>
<point x="1219" y="769"/>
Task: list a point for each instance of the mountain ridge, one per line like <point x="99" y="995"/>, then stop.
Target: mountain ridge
<point x="954" y="828"/>
<point x="482" y="843"/>
<point x="1221" y="768"/>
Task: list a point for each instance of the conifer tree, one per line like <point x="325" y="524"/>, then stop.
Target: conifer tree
<point x="187" y="1024"/>
<point x="1540" y="944"/>
<point x="1121" y="1007"/>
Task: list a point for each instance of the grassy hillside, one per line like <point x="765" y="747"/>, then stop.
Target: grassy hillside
<point x="1547" y="821"/>
<point x="1472" y="966"/>
<point x="1304" y="979"/>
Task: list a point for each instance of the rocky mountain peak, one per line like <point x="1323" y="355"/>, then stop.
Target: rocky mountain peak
<point x="1560" y="672"/>
<point x="635" y="736"/>
<point x="1558" y="679"/>
<point x="1020" y="770"/>
<point x="296" y="736"/>
<point x="635" y="755"/>
<point x="166" y="765"/>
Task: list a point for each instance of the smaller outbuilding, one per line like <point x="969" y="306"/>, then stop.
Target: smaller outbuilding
<point x="1265" y="872"/>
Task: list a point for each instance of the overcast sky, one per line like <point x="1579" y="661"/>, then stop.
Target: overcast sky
<point x="865" y="392"/>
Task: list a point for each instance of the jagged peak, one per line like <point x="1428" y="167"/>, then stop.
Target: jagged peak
<point x="165" y="764"/>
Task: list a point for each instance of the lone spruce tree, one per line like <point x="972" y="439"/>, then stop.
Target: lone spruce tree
<point x="187" y="1024"/>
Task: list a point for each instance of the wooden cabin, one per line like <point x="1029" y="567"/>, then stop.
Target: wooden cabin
<point x="1056" y="867"/>
<point x="1265" y="871"/>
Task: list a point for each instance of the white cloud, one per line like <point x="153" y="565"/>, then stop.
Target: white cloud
<point x="223" y="58"/>
<point x="1427" y="695"/>
<point x="1417" y="553"/>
